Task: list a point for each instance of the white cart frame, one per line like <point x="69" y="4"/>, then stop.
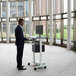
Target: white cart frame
<point x="40" y="64"/>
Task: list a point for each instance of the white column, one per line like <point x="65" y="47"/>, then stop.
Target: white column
<point x="24" y="21"/>
<point x="47" y="7"/>
<point x="54" y="22"/>
<point x="47" y="24"/>
<point x="74" y="29"/>
<point x="1" y="22"/>
<point x="62" y="21"/>
<point x="51" y="22"/>
<point x="9" y="16"/>
<point x="40" y="6"/>
<point x="40" y="9"/>
<point x="0" y="25"/>
<point x="69" y="26"/>
<point x="30" y="17"/>
<point x="0" y="16"/>
<point x="0" y="9"/>
<point x="17" y="10"/>
<point x="7" y="20"/>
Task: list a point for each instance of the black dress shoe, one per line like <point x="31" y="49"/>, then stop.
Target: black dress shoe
<point x="22" y="68"/>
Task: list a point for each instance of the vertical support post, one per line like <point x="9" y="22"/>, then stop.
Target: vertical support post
<point x="24" y="21"/>
<point x="40" y="52"/>
<point x="62" y="21"/>
<point x="7" y="20"/>
<point x="30" y="17"/>
<point x="54" y="11"/>
<point x="0" y="8"/>
<point x="47" y="23"/>
<point x="2" y="31"/>
<point x="0" y="17"/>
<point x="51" y="22"/>
<point x="40" y="9"/>
<point x="74" y="28"/>
<point x="1" y="23"/>
<point x="17" y="11"/>
<point x="69" y="26"/>
<point x="46" y="31"/>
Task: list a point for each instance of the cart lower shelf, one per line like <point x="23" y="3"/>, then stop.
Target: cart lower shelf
<point x="38" y="65"/>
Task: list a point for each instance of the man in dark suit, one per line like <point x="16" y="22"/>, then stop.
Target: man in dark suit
<point x="20" y="44"/>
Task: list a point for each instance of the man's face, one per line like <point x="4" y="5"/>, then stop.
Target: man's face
<point x="22" y="22"/>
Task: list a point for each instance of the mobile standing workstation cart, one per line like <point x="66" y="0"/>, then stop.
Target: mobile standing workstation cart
<point x="38" y="48"/>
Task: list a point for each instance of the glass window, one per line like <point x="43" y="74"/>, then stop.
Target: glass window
<point x="12" y="9"/>
<point x="65" y="31"/>
<point x="44" y="7"/>
<point x="71" y="29"/>
<point x="26" y="8"/>
<point x="58" y="31"/>
<point x="32" y="7"/>
<point x="20" y="9"/>
<point x="12" y="28"/>
<point x="44" y="28"/>
<point x="4" y="29"/>
<point x="65" y="5"/>
<point x="3" y="9"/>
<point x="72" y="4"/>
<point x="27" y="28"/>
<point x="48" y="29"/>
<point x="34" y="27"/>
<point x="57" y="6"/>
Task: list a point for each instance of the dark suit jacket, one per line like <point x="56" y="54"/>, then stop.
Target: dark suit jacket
<point x="19" y="36"/>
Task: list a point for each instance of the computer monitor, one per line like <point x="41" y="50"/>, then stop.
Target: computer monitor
<point x="39" y="29"/>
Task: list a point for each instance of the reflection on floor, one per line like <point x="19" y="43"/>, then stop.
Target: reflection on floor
<point x="60" y="61"/>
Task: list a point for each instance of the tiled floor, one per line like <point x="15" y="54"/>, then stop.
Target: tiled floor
<point x="60" y="61"/>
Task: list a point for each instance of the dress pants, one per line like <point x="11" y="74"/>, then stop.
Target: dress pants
<point x="19" y="55"/>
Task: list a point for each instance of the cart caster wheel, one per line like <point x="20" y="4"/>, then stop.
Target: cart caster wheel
<point x="35" y="68"/>
<point x="45" y="67"/>
<point x="28" y="63"/>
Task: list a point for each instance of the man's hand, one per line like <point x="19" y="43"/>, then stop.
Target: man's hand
<point x="30" y="39"/>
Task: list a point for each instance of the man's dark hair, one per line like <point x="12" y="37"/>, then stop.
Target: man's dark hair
<point x="19" y="21"/>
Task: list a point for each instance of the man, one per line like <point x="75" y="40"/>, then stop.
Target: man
<point x="20" y="44"/>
